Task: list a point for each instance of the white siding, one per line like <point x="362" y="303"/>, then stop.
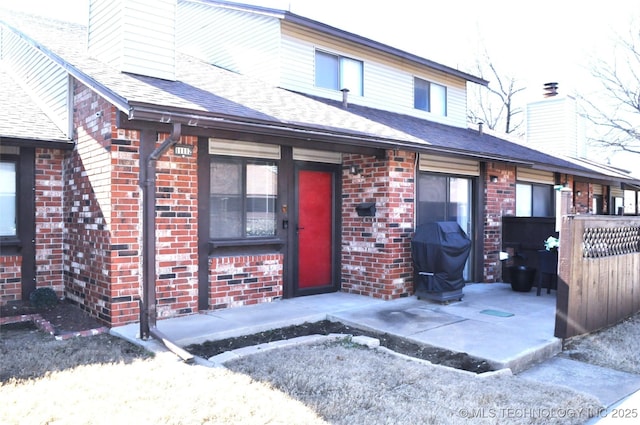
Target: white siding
<point x="235" y="40"/>
<point x="298" y="64"/>
<point x="597" y="189"/>
<point x="616" y="192"/>
<point x="555" y="126"/>
<point x="245" y="149"/>
<point x="534" y="176"/>
<point x="312" y="155"/>
<point x="105" y="23"/>
<point x="387" y="85"/>
<point x="136" y="36"/>
<point x="45" y="81"/>
<point x="449" y="165"/>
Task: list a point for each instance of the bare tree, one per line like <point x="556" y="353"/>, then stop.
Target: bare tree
<point x="616" y="108"/>
<point x="495" y="105"/>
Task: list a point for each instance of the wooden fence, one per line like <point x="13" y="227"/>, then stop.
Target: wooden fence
<point x="599" y="272"/>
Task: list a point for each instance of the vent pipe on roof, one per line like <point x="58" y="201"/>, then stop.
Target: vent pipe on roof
<point x="345" y="98"/>
<point x="481" y="128"/>
<point x="550" y="89"/>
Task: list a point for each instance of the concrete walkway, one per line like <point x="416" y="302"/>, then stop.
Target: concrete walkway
<point x="508" y="329"/>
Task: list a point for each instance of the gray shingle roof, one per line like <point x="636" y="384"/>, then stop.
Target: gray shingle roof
<point x="202" y="88"/>
<point x="459" y="139"/>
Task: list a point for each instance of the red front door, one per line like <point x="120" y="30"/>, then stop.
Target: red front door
<point x="315" y="231"/>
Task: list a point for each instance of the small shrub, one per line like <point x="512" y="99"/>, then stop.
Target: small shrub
<point x="43" y="298"/>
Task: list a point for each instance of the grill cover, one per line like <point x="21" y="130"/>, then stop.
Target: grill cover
<point x="439" y="249"/>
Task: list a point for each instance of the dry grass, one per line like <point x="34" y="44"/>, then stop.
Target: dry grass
<point x="348" y="384"/>
<point x="616" y="347"/>
<point x="124" y="388"/>
<point x="26" y="352"/>
<point x="102" y="379"/>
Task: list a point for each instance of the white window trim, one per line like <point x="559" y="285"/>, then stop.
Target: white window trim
<point x="341" y="73"/>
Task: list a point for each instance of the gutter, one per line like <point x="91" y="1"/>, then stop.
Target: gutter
<point x="151" y="113"/>
<point x="148" y="312"/>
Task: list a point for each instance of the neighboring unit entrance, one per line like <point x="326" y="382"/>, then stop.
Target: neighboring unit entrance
<point x="316" y="237"/>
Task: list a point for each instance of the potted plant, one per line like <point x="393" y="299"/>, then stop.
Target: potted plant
<point x="548" y="261"/>
<point x="552" y="244"/>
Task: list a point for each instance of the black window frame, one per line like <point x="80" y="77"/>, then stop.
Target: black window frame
<point x="242" y="240"/>
<point x="13" y="240"/>
<point x="550" y="191"/>
<point x="22" y="243"/>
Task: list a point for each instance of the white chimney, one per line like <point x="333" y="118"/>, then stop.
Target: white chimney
<point x="136" y="36"/>
<point x="554" y="124"/>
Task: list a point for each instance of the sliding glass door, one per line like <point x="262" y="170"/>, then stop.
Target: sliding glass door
<point x="446" y="198"/>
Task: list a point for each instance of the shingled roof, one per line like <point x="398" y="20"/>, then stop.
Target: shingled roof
<point x="204" y="95"/>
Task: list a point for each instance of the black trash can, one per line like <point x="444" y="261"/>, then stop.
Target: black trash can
<point x="439" y="251"/>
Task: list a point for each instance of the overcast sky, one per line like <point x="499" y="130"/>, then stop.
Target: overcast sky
<point x="535" y="41"/>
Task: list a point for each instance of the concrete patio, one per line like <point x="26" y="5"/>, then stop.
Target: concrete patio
<point x="492" y="322"/>
<point x="508" y="329"/>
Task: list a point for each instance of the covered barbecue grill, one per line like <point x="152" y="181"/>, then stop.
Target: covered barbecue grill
<point x="440" y="251"/>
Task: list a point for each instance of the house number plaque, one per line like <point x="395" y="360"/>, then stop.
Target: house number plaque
<point x="183" y="150"/>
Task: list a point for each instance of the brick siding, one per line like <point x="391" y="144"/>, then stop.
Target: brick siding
<point x="376" y="251"/>
<point x="500" y="200"/>
<point x="88" y="244"/>
<point x="244" y="280"/>
<point x="49" y="219"/>
<point x="10" y="277"/>
<point x="582" y="201"/>
<point x="103" y="207"/>
<point x="177" y="232"/>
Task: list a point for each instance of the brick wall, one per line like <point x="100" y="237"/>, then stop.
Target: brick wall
<point x="376" y="251"/>
<point x="49" y="219"/>
<point x="103" y="217"/>
<point x="582" y="197"/>
<point x="123" y="255"/>
<point x="177" y="232"/>
<point x="88" y="206"/>
<point x="500" y="201"/>
<point x="10" y="276"/>
<point x="244" y="280"/>
<point x="49" y="225"/>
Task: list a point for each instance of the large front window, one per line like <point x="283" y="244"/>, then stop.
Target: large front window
<point x="8" y="185"/>
<point x="430" y="97"/>
<point x="243" y="195"/>
<point x="338" y="72"/>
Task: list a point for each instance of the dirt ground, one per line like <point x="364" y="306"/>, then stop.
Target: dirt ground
<point x="68" y="317"/>
<point x="64" y="317"/>
<point x="433" y="354"/>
